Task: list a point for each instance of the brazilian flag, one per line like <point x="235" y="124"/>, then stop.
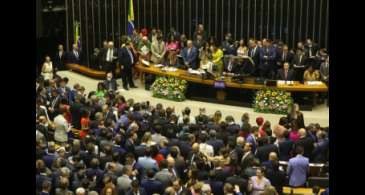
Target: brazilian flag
<point x="130" y="18"/>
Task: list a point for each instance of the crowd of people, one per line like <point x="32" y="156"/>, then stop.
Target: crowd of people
<point x="270" y="59"/>
<point x="103" y="143"/>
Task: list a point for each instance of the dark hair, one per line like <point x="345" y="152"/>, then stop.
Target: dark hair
<point x="150" y="173"/>
<point x="299" y="149"/>
<point x="163" y="164"/>
<point x="316" y="189"/>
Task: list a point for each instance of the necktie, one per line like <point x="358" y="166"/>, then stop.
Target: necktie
<point x="310" y="52"/>
<point x="284" y="56"/>
<point x="252" y="52"/>
<point x="230" y="67"/>
<point x="300" y="59"/>
<point x="76" y="54"/>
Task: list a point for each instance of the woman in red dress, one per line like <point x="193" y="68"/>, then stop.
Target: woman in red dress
<point x="85" y="121"/>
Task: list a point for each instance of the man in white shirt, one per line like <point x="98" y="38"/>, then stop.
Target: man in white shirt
<point x="61" y="128"/>
<point x="110" y="58"/>
<point x="204" y="147"/>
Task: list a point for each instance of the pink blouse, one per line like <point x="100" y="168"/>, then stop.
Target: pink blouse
<point x="172" y="46"/>
<point x="294" y="136"/>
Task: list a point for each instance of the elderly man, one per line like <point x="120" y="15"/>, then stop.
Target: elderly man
<point x="190" y="55"/>
<point x="110" y="57"/>
<point x="306" y="142"/>
<point x="110" y="83"/>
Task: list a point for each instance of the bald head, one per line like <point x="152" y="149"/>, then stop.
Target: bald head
<point x="240" y="141"/>
<point x="195" y="147"/>
<point x="273" y="156"/>
<point x="170" y="162"/>
<point x="189" y="43"/>
<point x="302" y="132"/>
<point x="110" y="44"/>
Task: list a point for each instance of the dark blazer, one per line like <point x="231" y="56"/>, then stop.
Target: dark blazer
<point x="59" y="62"/>
<point x="307" y="144"/>
<point x="285" y="149"/>
<point x="313" y="49"/>
<point x="299" y="62"/>
<point x="271" y="57"/>
<point x="237" y="180"/>
<point x="216" y="186"/>
<point x="191" y="58"/>
<point x="72" y="58"/>
<point x="263" y="152"/>
<point x="140" y="190"/>
<point x="216" y="143"/>
<point x="152" y="186"/>
<point x="277" y="179"/>
<point x="246" y="162"/>
<point x="320" y="153"/>
<point x="75" y="110"/>
<point x="255" y="55"/>
<point x="300" y="120"/>
<point x="124" y="58"/>
<point x="281" y="75"/>
<point x="111" y="85"/>
<point x="129" y="146"/>
<point x="287" y="58"/>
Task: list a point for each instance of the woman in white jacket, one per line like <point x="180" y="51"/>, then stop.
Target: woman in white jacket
<point x="61" y="128"/>
<point x="47" y="69"/>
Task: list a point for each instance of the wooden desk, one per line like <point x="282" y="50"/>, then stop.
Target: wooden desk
<point x="98" y="74"/>
<point x="249" y="84"/>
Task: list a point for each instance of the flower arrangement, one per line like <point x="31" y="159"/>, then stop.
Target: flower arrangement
<point x="169" y="88"/>
<point x="272" y="101"/>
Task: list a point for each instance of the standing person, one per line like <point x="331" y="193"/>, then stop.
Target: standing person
<point x="74" y="55"/>
<point x="217" y="59"/>
<point x="47" y="69"/>
<point x="190" y="55"/>
<point x="158" y="50"/>
<point x="61" y="127"/>
<point x="60" y="58"/>
<point x="110" y="56"/>
<point x="267" y="58"/>
<point x="298" y="167"/>
<point x="126" y="62"/>
<point x="144" y="49"/>
<point x="172" y="47"/>
<point x="296" y="114"/>
<point x="75" y="111"/>
<point x="254" y="53"/>
<point x="258" y="183"/>
<point x="299" y="63"/>
<point x="102" y="55"/>
<point x="242" y="49"/>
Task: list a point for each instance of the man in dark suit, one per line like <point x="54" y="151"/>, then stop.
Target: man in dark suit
<point x="74" y="55"/>
<point x="306" y="142"/>
<point x="179" y="188"/>
<point x="248" y="157"/>
<point x="254" y="53"/>
<point x="190" y="55"/>
<point x="59" y="59"/>
<point x="263" y="152"/>
<point x="267" y="60"/>
<point x="152" y="185"/>
<point x="126" y="62"/>
<point x="284" y="55"/>
<point x="285" y="73"/>
<point x="299" y="64"/>
<point x="285" y="147"/>
<point x="276" y="177"/>
<point x="213" y="141"/>
<point x="75" y="110"/>
<point x="238" y="180"/>
<point x="110" y="83"/>
<point x="110" y="57"/>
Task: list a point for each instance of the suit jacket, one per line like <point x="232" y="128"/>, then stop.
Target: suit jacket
<point x="75" y="110"/>
<point x="59" y="61"/>
<point x="191" y="58"/>
<point x="72" y="58"/>
<point x="216" y="143"/>
<point x="165" y="177"/>
<point x="299" y="62"/>
<point x="271" y="57"/>
<point x="320" y="153"/>
<point x="141" y="191"/>
<point x="281" y="75"/>
<point x="216" y="186"/>
<point x="104" y="54"/>
<point x="237" y="180"/>
<point x="277" y="179"/>
<point x="152" y="186"/>
<point x="297" y="170"/>
<point x="313" y="49"/>
<point x="255" y="55"/>
<point x="263" y="152"/>
<point x="325" y="71"/>
<point x="285" y="149"/>
<point x="289" y="57"/>
<point x="157" y="48"/>
<point x="111" y="85"/>
<point x="247" y="160"/>
<point x="307" y="144"/>
<point x="124" y="58"/>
